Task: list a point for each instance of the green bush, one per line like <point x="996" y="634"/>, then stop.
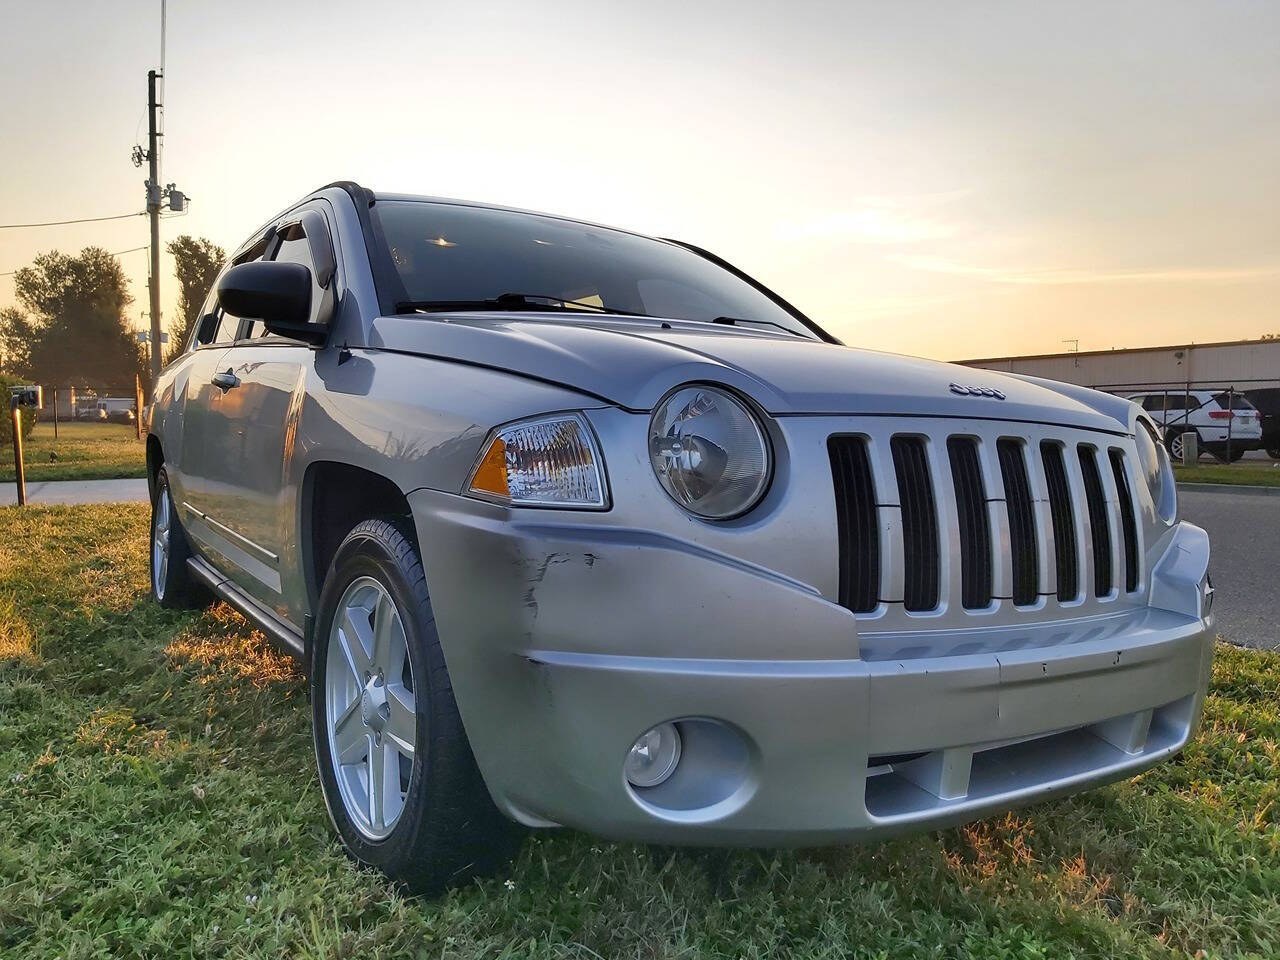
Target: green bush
<point x="28" y="415"/>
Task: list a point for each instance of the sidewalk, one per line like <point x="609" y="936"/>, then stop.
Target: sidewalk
<point x="76" y="491"/>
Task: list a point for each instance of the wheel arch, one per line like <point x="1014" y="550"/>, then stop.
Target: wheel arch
<point x="155" y="459"/>
<point x="335" y="496"/>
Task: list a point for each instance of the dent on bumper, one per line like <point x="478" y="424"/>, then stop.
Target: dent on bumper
<point x="565" y="642"/>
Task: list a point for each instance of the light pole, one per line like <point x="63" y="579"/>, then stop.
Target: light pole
<point x="156" y="198"/>
<point x="153" y="214"/>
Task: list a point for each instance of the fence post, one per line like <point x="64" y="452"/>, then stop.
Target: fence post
<point x="137" y="405"/>
<point x="1231" y="418"/>
<point x="55" y="413"/>
<point x="15" y="416"/>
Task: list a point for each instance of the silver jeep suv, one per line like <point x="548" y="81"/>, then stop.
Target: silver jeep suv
<point x="572" y="526"/>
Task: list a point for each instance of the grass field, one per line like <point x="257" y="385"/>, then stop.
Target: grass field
<point x="158" y="798"/>
<point x="1251" y="474"/>
<point x="85" y="451"/>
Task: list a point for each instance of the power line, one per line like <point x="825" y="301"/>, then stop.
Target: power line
<point x="58" y="223"/>
<point x="118" y="253"/>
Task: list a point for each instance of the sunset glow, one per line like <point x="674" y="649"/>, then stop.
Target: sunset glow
<point x="948" y="180"/>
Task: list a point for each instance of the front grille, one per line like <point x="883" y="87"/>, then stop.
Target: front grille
<point x="856" y="523"/>
<point x="1098" y="530"/>
<point x="975" y="525"/>
<point x="1064" y="521"/>
<point x="919" y="523"/>
<point x="1128" y="525"/>
<point x="1022" y="529"/>
<point x="967" y="524"/>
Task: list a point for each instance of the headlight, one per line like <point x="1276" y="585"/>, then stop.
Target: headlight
<point x="709" y="452"/>
<point x="1158" y="472"/>
<point x="545" y="462"/>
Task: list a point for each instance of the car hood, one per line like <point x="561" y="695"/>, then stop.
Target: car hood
<point x="633" y="363"/>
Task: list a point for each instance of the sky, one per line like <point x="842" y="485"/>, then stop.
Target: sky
<point x="954" y="180"/>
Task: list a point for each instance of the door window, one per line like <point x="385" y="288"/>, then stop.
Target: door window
<point x="293" y="248"/>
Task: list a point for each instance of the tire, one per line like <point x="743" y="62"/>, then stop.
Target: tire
<point x="171" y="582"/>
<point x="1273" y="453"/>
<point x="1219" y="452"/>
<point x="375" y="622"/>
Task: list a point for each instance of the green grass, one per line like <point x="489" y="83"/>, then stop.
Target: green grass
<point x="1249" y="474"/>
<point x="85" y="451"/>
<point x="158" y="799"/>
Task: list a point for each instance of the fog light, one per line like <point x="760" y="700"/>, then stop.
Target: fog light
<point x="653" y="758"/>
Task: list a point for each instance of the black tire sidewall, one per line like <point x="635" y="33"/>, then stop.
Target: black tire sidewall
<point x="366" y="554"/>
<point x="176" y="582"/>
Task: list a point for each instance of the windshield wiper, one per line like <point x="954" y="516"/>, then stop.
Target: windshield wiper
<point x="734" y="321"/>
<point x="512" y="301"/>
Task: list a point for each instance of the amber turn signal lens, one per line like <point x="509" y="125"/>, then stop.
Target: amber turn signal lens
<point x="491" y="473"/>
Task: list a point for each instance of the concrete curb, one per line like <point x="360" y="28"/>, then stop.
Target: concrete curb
<point x="1230" y="488"/>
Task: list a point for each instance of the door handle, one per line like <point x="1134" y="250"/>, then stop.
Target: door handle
<point x="225" y="380"/>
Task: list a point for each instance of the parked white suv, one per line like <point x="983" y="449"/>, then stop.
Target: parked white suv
<point x="1220" y="418"/>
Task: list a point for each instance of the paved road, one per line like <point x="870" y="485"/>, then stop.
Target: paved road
<point x="77" y="491"/>
<point x="1244" y="530"/>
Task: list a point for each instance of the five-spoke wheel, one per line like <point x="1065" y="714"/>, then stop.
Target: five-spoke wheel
<point x="369" y="707"/>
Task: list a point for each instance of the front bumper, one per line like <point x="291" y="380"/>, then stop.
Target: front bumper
<point x="566" y="639"/>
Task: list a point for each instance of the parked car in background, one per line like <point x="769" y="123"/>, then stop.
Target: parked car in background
<point x="576" y="527"/>
<point x="86" y="408"/>
<point x="1267" y="402"/>
<point x="117" y="409"/>
<point x="1226" y="422"/>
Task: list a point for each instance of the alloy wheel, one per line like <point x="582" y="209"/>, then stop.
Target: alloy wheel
<point x="370" y="711"/>
<point x="160" y="543"/>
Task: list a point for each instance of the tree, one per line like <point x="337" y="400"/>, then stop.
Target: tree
<point x="75" y="326"/>
<point x="15" y="342"/>
<point x="197" y="263"/>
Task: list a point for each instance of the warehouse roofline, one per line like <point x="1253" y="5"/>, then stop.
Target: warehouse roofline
<point x="1116" y="350"/>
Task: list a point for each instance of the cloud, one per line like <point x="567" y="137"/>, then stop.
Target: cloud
<point x="890" y="220"/>
<point x="1053" y="276"/>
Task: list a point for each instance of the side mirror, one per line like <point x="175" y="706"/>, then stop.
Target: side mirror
<point x="277" y="293"/>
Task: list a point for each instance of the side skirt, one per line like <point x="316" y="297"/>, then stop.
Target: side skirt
<point x="280" y="633"/>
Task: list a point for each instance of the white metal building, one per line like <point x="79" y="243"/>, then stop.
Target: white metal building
<point x="1243" y="364"/>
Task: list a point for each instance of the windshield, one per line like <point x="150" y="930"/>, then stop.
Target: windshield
<point x="450" y="256"/>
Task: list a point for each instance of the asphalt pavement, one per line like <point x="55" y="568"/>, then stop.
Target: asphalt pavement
<point x="1244" y="537"/>
<point x="76" y="491"/>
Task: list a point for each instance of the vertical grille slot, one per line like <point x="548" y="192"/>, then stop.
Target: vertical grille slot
<point x="1097" y="520"/>
<point x="919" y="523"/>
<point x="1128" y="525"/>
<point x="1022" y="528"/>
<point x="1063" y="516"/>
<point x="975" y="524"/>
<point x="857" y="524"/>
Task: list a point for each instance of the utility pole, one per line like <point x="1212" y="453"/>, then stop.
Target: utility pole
<point x="153" y="214"/>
